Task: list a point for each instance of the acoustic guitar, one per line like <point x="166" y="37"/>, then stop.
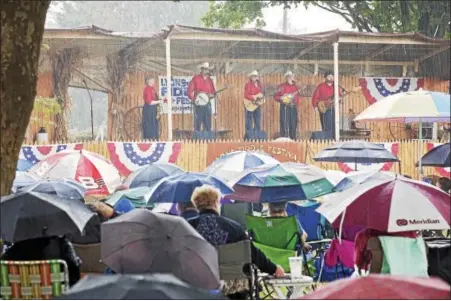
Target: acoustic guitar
<point x="324" y="105"/>
<point x="252" y="105"/>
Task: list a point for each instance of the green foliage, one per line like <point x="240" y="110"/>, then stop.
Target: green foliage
<point x="46" y="106"/>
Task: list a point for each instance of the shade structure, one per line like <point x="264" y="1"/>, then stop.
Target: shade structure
<point x="229" y="166"/>
<point x="141" y="242"/>
<point x="23" y="165"/>
<point x="390" y="203"/>
<point x="150" y="174"/>
<point x="180" y="187"/>
<point x="134" y="287"/>
<point x="409" y="107"/>
<point x="23" y="179"/>
<point x="355" y="151"/>
<point x="93" y="171"/>
<point x="29" y="215"/>
<point x="64" y="188"/>
<point x="383" y="287"/>
<point x="439" y="156"/>
<point x="134" y="195"/>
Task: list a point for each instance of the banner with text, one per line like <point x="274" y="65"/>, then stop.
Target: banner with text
<point x="179" y="87"/>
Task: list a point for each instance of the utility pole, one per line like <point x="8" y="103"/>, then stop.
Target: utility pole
<point x="285" y="19"/>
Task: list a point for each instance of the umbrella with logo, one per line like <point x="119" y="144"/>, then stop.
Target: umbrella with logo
<point x="229" y="166"/>
<point x="64" y="188"/>
<point x="134" y="287"/>
<point x="23" y="179"/>
<point x="358" y="177"/>
<point x="28" y="215"/>
<point x="439" y="156"/>
<point x="141" y="242"/>
<point x="92" y="171"/>
<point x="389" y="203"/>
<point x="150" y="174"/>
<point x="23" y="165"/>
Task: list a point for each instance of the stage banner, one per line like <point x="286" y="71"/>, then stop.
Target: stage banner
<point x="376" y="88"/>
<point x="35" y="153"/>
<point x="391" y="147"/>
<point x="129" y="156"/>
<point x="282" y="151"/>
<point x="443" y="171"/>
<point x="180" y="101"/>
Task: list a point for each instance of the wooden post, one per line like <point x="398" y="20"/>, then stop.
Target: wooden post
<point x="336" y="94"/>
<point x="169" y="85"/>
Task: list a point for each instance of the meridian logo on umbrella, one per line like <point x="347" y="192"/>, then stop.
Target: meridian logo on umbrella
<point x="428" y="221"/>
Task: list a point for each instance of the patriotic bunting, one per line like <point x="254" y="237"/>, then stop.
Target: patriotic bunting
<point x="376" y="88"/>
<point x="443" y="171"/>
<point x="36" y="153"/>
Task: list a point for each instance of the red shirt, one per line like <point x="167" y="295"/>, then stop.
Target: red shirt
<point x="252" y="89"/>
<point x="199" y="84"/>
<point x="287" y="88"/>
<point x="323" y="92"/>
<point x="150" y="94"/>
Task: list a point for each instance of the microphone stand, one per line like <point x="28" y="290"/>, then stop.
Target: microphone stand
<point x="342" y="107"/>
<point x="215" y="115"/>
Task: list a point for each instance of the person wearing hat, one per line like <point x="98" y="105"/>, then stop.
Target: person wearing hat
<point x="251" y="90"/>
<point x="150" y="124"/>
<point x="324" y="92"/>
<point x="288" y="111"/>
<point x="202" y="83"/>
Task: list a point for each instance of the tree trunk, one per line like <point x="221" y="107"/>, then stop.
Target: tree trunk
<point x="21" y="35"/>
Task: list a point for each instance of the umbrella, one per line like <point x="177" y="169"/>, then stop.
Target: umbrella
<point x="93" y="171"/>
<point x="134" y="287"/>
<point x="229" y="166"/>
<point x="64" y="188"/>
<point x="29" y="215"/>
<point x="23" y="165"/>
<point x="150" y="174"/>
<point x="410" y="107"/>
<point x="358" y="177"/>
<point x="383" y="287"/>
<point x="180" y="187"/>
<point x="23" y="179"/>
<point x="134" y="195"/>
<point x="335" y="176"/>
<point x="141" y="241"/>
<point x="439" y="156"/>
<point x="389" y="202"/>
<point x="357" y="152"/>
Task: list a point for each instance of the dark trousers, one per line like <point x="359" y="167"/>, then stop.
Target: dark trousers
<point x="327" y="120"/>
<point x="288" y="121"/>
<point x="202" y="115"/>
<point x="151" y="129"/>
<point x="253" y="120"/>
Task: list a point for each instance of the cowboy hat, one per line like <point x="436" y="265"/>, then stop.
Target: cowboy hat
<point x="288" y="73"/>
<point x="205" y="65"/>
<point x="253" y="73"/>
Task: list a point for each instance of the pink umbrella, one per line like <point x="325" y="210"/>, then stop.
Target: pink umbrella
<point x="91" y="170"/>
<point x="383" y="287"/>
<point x="389" y="202"/>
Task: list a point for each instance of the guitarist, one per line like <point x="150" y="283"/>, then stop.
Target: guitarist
<point x="149" y="118"/>
<point x="288" y="112"/>
<point x="252" y="89"/>
<point x="202" y="83"/>
<point x="325" y="92"/>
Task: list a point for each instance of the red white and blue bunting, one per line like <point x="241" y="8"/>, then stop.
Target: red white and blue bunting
<point x="376" y="88"/>
<point x="443" y="171"/>
<point x="35" y="153"/>
<point x="391" y="147"/>
<point x="129" y="156"/>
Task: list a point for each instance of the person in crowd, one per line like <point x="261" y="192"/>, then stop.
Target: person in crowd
<point x="46" y="248"/>
<point x="444" y="184"/>
<point x="187" y="210"/>
<point x="219" y="230"/>
<point x="279" y="209"/>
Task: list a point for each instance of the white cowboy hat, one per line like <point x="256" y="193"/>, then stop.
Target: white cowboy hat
<point x="205" y="65"/>
<point x="253" y="73"/>
<point x="288" y="73"/>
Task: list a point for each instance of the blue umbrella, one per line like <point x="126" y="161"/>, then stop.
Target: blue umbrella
<point x="23" y="179"/>
<point x="150" y="174"/>
<point x="180" y="187"/>
<point x="439" y="156"/>
<point x="64" y="188"/>
<point x="23" y="165"/>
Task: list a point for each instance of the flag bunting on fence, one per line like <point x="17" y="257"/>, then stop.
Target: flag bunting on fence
<point x="443" y="171"/>
<point x="129" y="156"/>
<point x="391" y="147"/>
<point x="376" y="88"/>
<point x="35" y="153"/>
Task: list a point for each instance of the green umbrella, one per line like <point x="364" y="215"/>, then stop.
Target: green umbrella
<point x="134" y="195"/>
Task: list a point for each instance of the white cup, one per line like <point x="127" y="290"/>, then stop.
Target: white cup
<point x="295" y="267"/>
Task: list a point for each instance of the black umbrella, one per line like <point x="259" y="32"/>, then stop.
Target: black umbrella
<point x="135" y="287"/>
<point x="356" y="151"/>
<point x="63" y="188"/>
<point x="439" y="156"/>
<point x="28" y="215"/>
<point x="142" y="242"/>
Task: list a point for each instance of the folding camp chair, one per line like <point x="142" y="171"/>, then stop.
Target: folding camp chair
<point x="235" y="266"/>
<point x="236" y="211"/>
<point x="42" y="279"/>
<point x="90" y="258"/>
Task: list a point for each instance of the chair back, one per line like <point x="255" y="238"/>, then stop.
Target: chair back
<point x="42" y="279"/>
<point x="232" y="260"/>
<point x="90" y="257"/>
<point x="236" y="212"/>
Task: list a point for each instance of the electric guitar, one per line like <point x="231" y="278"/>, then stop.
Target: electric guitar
<point x="324" y="105"/>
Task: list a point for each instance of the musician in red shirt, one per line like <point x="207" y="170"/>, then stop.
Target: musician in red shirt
<point x="324" y="92"/>
<point x="288" y="95"/>
<point x="252" y="89"/>
<point x="151" y="128"/>
<point x="202" y="84"/>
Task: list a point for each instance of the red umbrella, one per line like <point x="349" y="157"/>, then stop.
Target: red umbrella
<point x="383" y="287"/>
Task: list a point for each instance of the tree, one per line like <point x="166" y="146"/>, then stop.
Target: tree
<point x="428" y="17"/>
<point x="22" y="29"/>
